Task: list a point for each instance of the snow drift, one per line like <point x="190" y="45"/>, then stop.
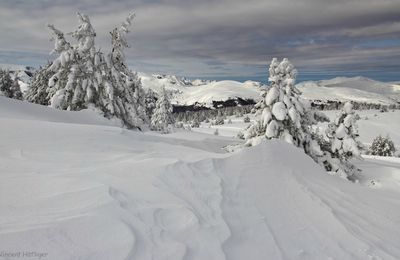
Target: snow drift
<point x="95" y="191"/>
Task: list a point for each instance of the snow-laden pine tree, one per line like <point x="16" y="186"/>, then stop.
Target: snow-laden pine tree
<point x="382" y="146"/>
<point x="283" y="115"/>
<point x="82" y="77"/>
<point x="9" y="87"/>
<point x="38" y="89"/>
<point x="128" y="91"/>
<point x="162" y="118"/>
<point x="15" y="90"/>
<point x="5" y="83"/>
<point x="343" y="134"/>
<point x="150" y="101"/>
<point x="78" y="80"/>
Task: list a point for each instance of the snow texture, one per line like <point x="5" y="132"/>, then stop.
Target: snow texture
<point x="75" y="190"/>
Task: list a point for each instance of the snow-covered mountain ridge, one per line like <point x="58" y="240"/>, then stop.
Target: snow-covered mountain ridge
<point x="201" y="92"/>
<point x="358" y="89"/>
<point x="204" y="93"/>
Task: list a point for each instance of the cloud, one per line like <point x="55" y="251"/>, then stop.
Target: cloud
<point x="221" y="37"/>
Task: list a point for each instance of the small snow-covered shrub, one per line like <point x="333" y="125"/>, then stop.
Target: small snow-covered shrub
<point x="382" y="146"/>
<point x="195" y="124"/>
<point x="219" y="120"/>
<point x="240" y="135"/>
<point x="179" y="125"/>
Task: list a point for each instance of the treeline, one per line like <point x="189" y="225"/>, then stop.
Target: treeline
<point x="337" y="105"/>
<point x="212" y="114"/>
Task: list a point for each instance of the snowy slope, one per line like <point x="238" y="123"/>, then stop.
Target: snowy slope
<point x="73" y="190"/>
<point x="15" y="109"/>
<point x="351" y="89"/>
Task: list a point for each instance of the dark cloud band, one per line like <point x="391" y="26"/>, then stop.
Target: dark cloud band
<point x="227" y="38"/>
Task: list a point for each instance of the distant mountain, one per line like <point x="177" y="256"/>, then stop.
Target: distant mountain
<point x="358" y="89"/>
<point x="210" y="93"/>
<point x="203" y="93"/>
<point x="207" y="93"/>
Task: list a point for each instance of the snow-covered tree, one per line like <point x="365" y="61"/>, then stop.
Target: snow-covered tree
<point x="16" y="89"/>
<point x="76" y="82"/>
<point x="283" y="115"/>
<point x="195" y="123"/>
<point x="343" y="134"/>
<point x="382" y="146"/>
<point x="9" y="87"/>
<point x="150" y="100"/>
<point x="38" y="89"/>
<point x="162" y="116"/>
<point x="5" y="83"/>
<point x="127" y="85"/>
<point x="219" y="120"/>
<point x="82" y="76"/>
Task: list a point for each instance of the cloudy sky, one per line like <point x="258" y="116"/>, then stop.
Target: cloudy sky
<point x="221" y="38"/>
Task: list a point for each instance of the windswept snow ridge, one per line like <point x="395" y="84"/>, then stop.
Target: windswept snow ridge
<point x="75" y="190"/>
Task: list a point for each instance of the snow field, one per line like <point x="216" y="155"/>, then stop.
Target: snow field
<point x="79" y="190"/>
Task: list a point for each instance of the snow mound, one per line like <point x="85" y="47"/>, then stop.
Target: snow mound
<point x="23" y="110"/>
<point x="359" y="89"/>
<point x="91" y="191"/>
